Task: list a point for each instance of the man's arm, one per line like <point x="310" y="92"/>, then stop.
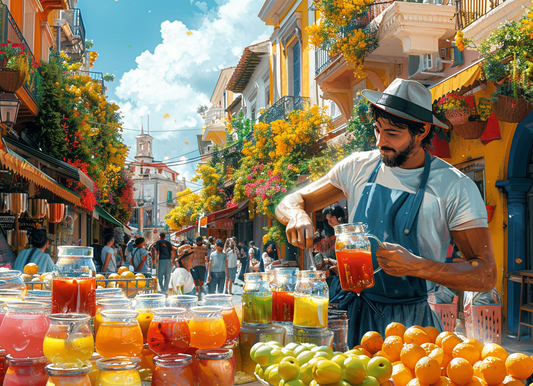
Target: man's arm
<point x="107" y="260"/>
<point x="478" y="273"/>
<point x="292" y="210"/>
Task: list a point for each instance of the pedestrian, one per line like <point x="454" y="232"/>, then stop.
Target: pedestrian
<point x="117" y="248"/>
<point x="181" y="281"/>
<point x="254" y="257"/>
<point x="230" y="249"/>
<point x="139" y="257"/>
<point x="164" y="252"/>
<point x="97" y="255"/>
<point x="109" y="262"/>
<point x="218" y="269"/>
<point x="243" y="258"/>
<point x="269" y="258"/>
<point x="199" y="260"/>
<point x="414" y="202"/>
<point x="36" y="255"/>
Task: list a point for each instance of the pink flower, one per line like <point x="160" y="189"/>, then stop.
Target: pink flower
<point x="289" y="166"/>
<point x="249" y="176"/>
<point x="284" y="190"/>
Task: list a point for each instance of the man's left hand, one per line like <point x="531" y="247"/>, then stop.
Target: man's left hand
<point x="396" y="260"/>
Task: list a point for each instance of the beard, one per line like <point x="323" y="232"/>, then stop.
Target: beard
<point x="400" y="157"/>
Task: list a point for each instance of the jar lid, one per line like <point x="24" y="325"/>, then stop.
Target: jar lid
<point x="118" y="363"/>
<point x="337" y="314"/>
<point x="168" y="312"/>
<point x="69" y="318"/>
<point x="27" y="361"/>
<point x="214" y="354"/>
<point x="149" y="297"/>
<point x="114" y="302"/>
<point x="54" y="369"/>
<point x="25" y="306"/>
<point x="356" y="227"/>
<point x="11" y="274"/>
<point x="306" y="275"/>
<point x="176" y="360"/>
<point x="95" y="357"/>
<point x="119" y="313"/>
<point x="43" y="293"/>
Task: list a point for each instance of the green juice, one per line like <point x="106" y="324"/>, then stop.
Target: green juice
<point x="256" y="309"/>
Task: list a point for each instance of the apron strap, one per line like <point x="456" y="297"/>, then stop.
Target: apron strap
<point x="413" y="213"/>
<point x="374" y="174"/>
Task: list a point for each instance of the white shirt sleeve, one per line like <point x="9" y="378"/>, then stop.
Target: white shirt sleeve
<point x="464" y="204"/>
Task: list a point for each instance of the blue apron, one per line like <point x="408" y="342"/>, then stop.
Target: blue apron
<point x="392" y="216"/>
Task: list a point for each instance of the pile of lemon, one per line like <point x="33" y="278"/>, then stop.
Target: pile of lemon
<point x="31" y="274"/>
<point x="123" y="273"/>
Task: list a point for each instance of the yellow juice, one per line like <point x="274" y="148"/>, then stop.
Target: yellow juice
<point x="119" y="339"/>
<point x="310" y="311"/>
<point x="98" y="319"/>
<point x="145" y="318"/>
<point x="119" y="378"/>
<point x="62" y="351"/>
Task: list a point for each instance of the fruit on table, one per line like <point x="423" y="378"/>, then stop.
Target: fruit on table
<point x="327" y="371"/>
<point x="31" y="269"/>
<point x="427" y="371"/>
<point x="305" y="357"/>
<point x="354" y="371"/>
<point x="372" y="341"/>
<point x="122" y="269"/>
<point x="493" y="370"/>
<point x="339" y="359"/>
<point x="379" y="368"/>
<point x="141" y="283"/>
<point x="460" y="371"/>
<point x="289" y="369"/>
<point x="519" y="366"/>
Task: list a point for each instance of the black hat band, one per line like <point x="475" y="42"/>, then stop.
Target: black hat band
<point x="406" y="106"/>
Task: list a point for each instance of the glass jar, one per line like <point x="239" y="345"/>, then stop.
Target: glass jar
<point x="11" y="295"/>
<point x="354" y="256"/>
<point x="214" y="367"/>
<point x="93" y="374"/>
<point x="182" y="301"/>
<point x="74" y="283"/>
<point x="118" y="371"/>
<point x="282" y="286"/>
<point x="144" y="304"/>
<point x="146" y="365"/>
<point x="68" y="376"/>
<point x="169" y="331"/>
<point x="250" y="335"/>
<point x="119" y="334"/>
<point x="108" y="293"/>
<point x="39" y="294"/>
<point x="338" y="324"/>
<point x="231" y="319"/>
<point x="109" y="304"/>
<point x="23" y="329"/>
<point x="69" y="340"/>
<point x="256" y="299"/>
<point x="3" y="365"/>
<point x="207" y="327"/>
<point x="319" y="336"/>
<point x="311" y="299"/>
<point x="173" y="370"/>
<point x="12" y="280"/>
<point x="26" y="371"/>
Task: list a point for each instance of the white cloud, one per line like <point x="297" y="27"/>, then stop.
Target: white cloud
<point x="180" y="74"/>
<point x="202" y="6"/>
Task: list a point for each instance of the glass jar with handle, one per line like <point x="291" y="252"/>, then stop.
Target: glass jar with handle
<point x="119" y="334"/>
<point x="120" y="370"/>
<point x="231" y="319"/>
<point x="256" y="299"/>
<point x="311" y="299"/>
<point x="109" y="304"/>
<point x="144" y="304"/>
<point x="282" y="285"/>
<point x="354" y="257"/>
<point x="68" y="376"/>
<point x="169" y="331"/>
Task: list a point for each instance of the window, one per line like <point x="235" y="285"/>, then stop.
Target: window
<point x="169" y="196"/>
<point x="475" y="170"/>
<point x="29" y="24"/>
<point x="296" y="74"/>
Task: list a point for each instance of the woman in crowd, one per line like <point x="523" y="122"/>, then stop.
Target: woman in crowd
<point x="181" y="281"/>
<point x="139" y="256"/>
<point x="36" y="255"/>
<point x="270" y="257"/>
<point x="230" y="249"/>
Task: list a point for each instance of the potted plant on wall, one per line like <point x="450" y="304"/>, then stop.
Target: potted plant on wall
<point x="508" y="54"/>
<point x="14" y="66"/>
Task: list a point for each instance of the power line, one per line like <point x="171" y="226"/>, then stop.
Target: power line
<point x="164" y="202"/>
<point x="153" y="131"/>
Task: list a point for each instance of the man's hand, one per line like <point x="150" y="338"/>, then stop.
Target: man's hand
<point x="396" y="260"/>
<point x="300" y="230"/>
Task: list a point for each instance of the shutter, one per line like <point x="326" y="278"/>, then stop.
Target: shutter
<point x="296" y="69"/>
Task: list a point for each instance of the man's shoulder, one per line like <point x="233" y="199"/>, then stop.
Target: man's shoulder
<point x="445" y="172"/>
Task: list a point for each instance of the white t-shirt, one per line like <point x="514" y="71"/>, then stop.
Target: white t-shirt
<point x="181" y="276"/>
<point x="112" y="266"/>
<point x="451" y="198"/>
<point x="232" y="258"/>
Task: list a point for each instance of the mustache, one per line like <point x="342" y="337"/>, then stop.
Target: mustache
<point x="387" y="148"/>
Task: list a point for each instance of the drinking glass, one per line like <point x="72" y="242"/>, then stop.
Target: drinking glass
<point x="256" y="299"/>
<point x="173" y="370"/>
<point x="118" y="371"/>
<point x="68" y="376"/>
<point x="23" y="329"/>
<point x="69" y="340"/>
<point x="231" y="320"/>
<point x="207" y="327"/>
<point x="311" y="299"/>
<point x="169" y="332"/>
<point x="119" y="334"/>
<point x="109" y="304"/>
<point x="214" y="367"/>
<point x="144" y="304"/>
<point x="26" y="371"/>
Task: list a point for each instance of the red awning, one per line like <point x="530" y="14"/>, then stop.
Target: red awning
<point x="223" y="213"/>
<point x="183" y="230"/>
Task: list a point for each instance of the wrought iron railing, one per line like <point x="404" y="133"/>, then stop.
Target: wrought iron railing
<point x="468" y="11"/>
<point x="33" y="83"/>
<point x="77" y="27"/>
<point x="283" y="107"/>
<point x="322" y="60"/>
<point x="98" y="76"/>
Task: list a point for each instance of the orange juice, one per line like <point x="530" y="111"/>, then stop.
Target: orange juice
<point x="119" y="339"/>
<point x="310" y="311"/>
<point x="145" y="318"/>
<point x="207" y="332"/>
<point x="355" y="269"/>
<point x="232" y="323"/>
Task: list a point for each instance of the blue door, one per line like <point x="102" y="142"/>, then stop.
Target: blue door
<point x="296" y="69"/>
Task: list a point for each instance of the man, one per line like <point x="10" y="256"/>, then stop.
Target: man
<point x="163" y="262"/>
<point x="413" y="202"/>
<point x="36" y="255"/>
<point x="199" y="260"/>
<point x="109" y="263"/>
<point x="254" y="257"/>
<point x="218" y="269"/>
<point x="243" y="259"/>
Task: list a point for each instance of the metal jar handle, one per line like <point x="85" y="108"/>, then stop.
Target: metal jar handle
<point x="371" y="236"/>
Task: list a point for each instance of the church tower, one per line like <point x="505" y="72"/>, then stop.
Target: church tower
<point x="144" y="147"/>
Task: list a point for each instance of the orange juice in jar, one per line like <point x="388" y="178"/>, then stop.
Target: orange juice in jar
<point x="214" y="367"/>
<point x="68" y="376"/>
<point x="109" y="304"/>
<point x="231" y="320"/>
<point x="207" y="327"/>
<point x="119" y="371"/>
<point x="119" y="334"/>
<point x="173" y="370"/>
<point x="144" y="304"/>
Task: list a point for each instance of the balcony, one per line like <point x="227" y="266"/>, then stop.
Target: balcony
<point x="72" y="33"/>
<point x="468" y="11"/>
<point x="214" y="115"/>
<point x="283" y="107"/>
<point x="215" y="128"/>
<point x="97" y="76"/>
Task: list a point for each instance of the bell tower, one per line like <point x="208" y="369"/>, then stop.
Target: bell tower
<point x="144" y="147"/>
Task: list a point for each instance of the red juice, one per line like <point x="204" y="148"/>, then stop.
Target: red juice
<point x="355" y="270"/>
<point x="233" y="325"/>
<point x="74" y="295"/>
<point x="169" y="337"/>
<point x="282" y="306"/>
<point x="26" y="372"/>
<point x="22" y="335"/>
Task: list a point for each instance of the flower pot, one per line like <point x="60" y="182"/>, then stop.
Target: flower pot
<point x="513" y="110"/>
<point x="56" y="212"/>
<point x="11" y="80"/>
<point x="490" y="211"/>
<point x="458" y="116"/>
<point x="470" y="130"/>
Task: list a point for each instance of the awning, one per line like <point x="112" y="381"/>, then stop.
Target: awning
<point x="464" y="78"/>
<point x="183" y="230"/>
<point x="224" y="213"/>
<point x="20" y="166"/>
<point x="105" y="214"/>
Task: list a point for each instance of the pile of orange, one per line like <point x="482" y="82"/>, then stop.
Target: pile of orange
<point x="423" y="356"/>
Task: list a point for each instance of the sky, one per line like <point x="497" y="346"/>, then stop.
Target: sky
<point x="166" y="56"/>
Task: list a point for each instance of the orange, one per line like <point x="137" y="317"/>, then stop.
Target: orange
<point x="415" y="335"/>
<point x="476" y="381"/>
<point x="441" y="336"/>
<point x="31" y="269"/>
<point x="395" y="328"/>
<point x="443" y="381"/>
<point x="445" y="360"/>
<point x="411" y="353"/>
<point x="432" y="333"/>
<point x="449" y="343"/>
<point x="477" y="369"/>
<point x="476" y="343"/>
<point x="493" y="370"/>
<point x="494" y="350"/>
<point x="460" y="371"/>
<point x="122" y="269"/>
<point x="382" y="354"/>
<point x="427" y="370"/>
<point x="401" y="375"/>
<point x="466" y="351"/>
<point x="415" y="382"/>
<point x="519" y="366"/>
<point x="437" y="354"/>
<point x="392" y="347"/>
<point x="372" y="341"/>
<point x="429" y="347"/>
<point x="365" y="352"/>
<point x="510" y="381"/>
<point x="140" y="283"/>
<point x="114" y="276"/>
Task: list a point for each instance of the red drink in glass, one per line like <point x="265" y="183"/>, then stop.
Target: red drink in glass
<point x="74" y="295"/>
<point x="282" y="306"/>
<point x="28" y="371"/>
<point x="355" y="269"/>
<point x="233" y="325"/>
<point x="169" y="337"/>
